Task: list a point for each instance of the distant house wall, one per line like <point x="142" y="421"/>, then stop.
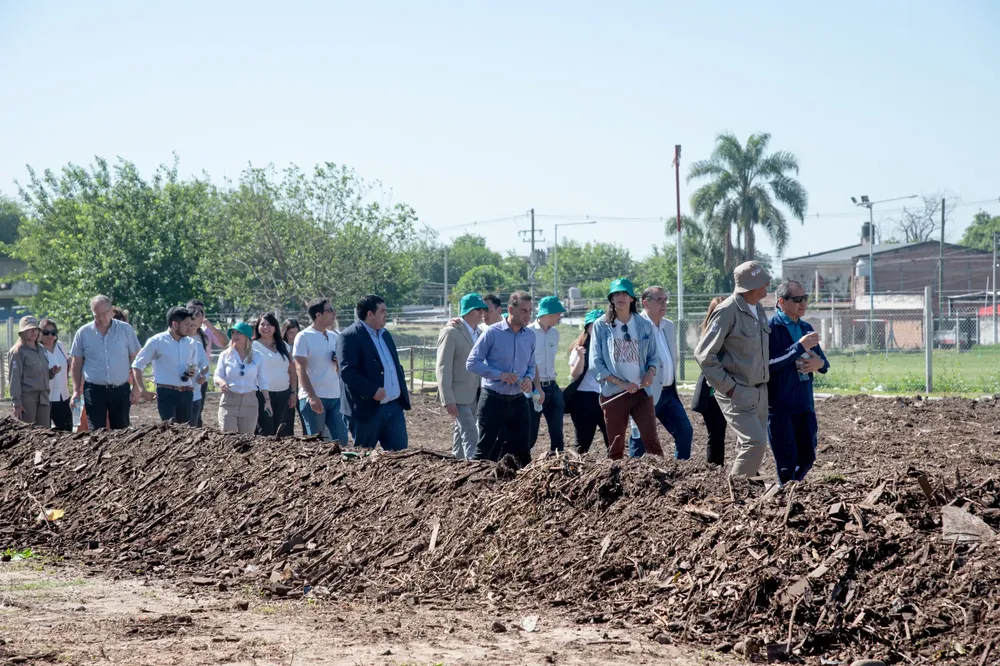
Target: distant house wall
<point x="833" y="278"/>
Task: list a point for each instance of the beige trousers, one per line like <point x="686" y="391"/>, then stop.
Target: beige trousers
<point x="35" y="411"/>
<point x="746" y="414"/>
<point x="238" y="412"/>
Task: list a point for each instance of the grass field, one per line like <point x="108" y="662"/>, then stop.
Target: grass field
<point x="973" y="371"/>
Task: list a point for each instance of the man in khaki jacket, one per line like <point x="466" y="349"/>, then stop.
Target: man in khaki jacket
<point x="733" y="355"/>
<point x="457" y="387"/>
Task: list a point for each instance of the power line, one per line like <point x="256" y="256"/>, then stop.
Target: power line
<point x="496" y="220"/>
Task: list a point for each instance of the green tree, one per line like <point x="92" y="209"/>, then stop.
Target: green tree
<point x="582" y="262"/>
<point x="467" y="252"/>
<point x="483" y="280"/>
<point x="11" y="216"/>
<point x="745" y="187"/>
<point x="106" y="230"/>
<point x="980" y="233"/>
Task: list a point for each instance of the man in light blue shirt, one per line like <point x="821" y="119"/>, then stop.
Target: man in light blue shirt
<point x="504" y="356"/>
<point x="374" y="390"/>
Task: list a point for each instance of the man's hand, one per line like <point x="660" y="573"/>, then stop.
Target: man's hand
<point x="525" y="385"/>
<point x="509" y="378"/>
<point x="808" y="365"/>
<point x="77" y="395"/>
<point x="316" y="405"/>
<point x="809" y="340"/>
<point x="148" y="396"/>
<point x="135" y="397"/>
<point x="455" y="323"/>
<point x="18" y="410"/>
<point x="291" y="401"/>
<point x="452" y="410"/>
<point x="541" y="397"/>
<point x="379" y="395"/>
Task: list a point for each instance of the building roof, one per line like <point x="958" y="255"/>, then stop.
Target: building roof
<point x="852" y="253"/>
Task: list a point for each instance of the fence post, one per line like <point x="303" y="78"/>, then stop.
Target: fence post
<point x="928" y="339"/>
<point x="411" y="369"/>
<point x="10" y="332"/>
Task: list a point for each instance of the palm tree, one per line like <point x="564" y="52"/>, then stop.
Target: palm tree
<point x="745" y="187"/>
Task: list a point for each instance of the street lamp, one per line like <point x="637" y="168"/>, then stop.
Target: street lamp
<point x="867" y="203"/>
<point x="555" y="251"/>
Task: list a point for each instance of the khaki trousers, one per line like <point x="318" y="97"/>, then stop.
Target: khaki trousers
<point x="238" y="412"/>
<point x="746" y="414"/>
<point x="35" y="410"/>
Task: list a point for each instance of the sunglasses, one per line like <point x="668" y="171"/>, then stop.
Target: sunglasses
<point x="242" y="369"/>
<point x="798" y="299"/>
<point x="50" y="332"/>
<point x="628" y="338"/>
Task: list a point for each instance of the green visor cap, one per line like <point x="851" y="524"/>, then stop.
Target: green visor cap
<point x="591" y="317"/>
<point x="550" y="305"/>
<point x="471" y="302"/>
<point x="622" y="284"/>
<point x="241" y="327"/>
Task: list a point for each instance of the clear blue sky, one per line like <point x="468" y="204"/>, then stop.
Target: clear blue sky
<point x="477" y="110"/>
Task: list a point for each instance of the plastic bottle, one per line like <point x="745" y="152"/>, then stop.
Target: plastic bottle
<point x="77" y="411"/>
<point x="536" y="400"/>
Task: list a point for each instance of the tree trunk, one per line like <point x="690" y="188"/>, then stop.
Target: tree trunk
<point x="751" y="245"/>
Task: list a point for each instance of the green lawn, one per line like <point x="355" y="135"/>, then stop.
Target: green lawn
<point x="973" y="371"/>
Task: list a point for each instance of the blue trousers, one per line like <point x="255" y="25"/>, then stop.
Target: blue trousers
<point x="670" y="412"/>
<point x="387" y="427"/>
<point x="793" y="443"/>
<point x="331" y="418"/>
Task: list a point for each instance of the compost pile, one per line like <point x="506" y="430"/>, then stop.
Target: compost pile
<point x="896" y="558"/>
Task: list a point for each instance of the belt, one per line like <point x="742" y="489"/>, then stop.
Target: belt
<point x="547" y="382"/>
<point x="107" y="387"/>
<point x="182" y="389"/>
<point x="505" y="396"/>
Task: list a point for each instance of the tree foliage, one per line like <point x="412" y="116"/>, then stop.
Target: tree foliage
<point x="980" y="233"/>
<point x="484" y="280"/>
<point x="11" y="217"/>
<point x="583" y="262"/>
<point x="746" y="186"/>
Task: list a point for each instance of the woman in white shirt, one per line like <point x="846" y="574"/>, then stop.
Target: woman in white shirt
<point x="239" y="375"/>
<point x="279" y="375"/>
<point x="582" y="396"/>
<point x="61" y="412"/>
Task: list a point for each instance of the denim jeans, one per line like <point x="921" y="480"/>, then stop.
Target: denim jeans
<point x="670" y="412"/>
<point x="387" y="427"/>
<point x="553" y="409"/>
<point x="793" y="443"/>
<point x="174" y="405"/>
<point x="330" y="417"/>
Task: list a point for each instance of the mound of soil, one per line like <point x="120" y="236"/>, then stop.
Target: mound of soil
<point x="892" y="554"/>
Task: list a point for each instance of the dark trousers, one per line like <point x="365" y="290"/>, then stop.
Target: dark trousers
<point x="670" y="412"/>
<point x="198" y="407"/>
<point x="62" y="415"/>
<point x="387" y="427"/>
<point x="553" y="408"/>
<point x="715" y="423"/>
<point x="617" y="410"/>
<point x="504" y="424"/>
<point x="107" y="404"/>
<point x="288" y="424"/>
<point x="585" y="410"/>
<point x="275" y="423"/>
<point x="793" y="443"/>
<point x="174" y="405"/>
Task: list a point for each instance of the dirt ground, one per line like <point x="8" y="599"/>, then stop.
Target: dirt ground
<point x="69" y="615"/>
<point x="189" y="547"/>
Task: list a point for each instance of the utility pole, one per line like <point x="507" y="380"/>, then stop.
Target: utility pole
<point x="941" y="272"/>
<point x="995" y="236"/>
<point x="445" y="301"/>
<point x="680" y="262"/>
<point x="531" y="257"/>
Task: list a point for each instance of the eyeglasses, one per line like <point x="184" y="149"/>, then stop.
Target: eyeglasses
<point x="628" y="338"/>
<point x="657" y="300"/>
<point x="799" y="299"/>
<point x="50" y="332"/>
<point x="329" y="310"/>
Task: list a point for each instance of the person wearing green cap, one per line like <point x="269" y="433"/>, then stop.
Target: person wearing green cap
<point x="582" y="396"/>
<point x="624" y="361"/>
<point x="458" y="389"/>
<point x="550" y="311"/>
<point x="239" y="375"/>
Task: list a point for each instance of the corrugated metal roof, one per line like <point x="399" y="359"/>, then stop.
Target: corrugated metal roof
<point x="853" y="252"/>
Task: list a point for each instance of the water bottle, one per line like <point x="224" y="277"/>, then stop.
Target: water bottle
<point x="803" y="377"/>
<point x="77" y="411"/>
<point x="536" y="399"/>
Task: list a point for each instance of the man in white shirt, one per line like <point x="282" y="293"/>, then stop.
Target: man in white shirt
<point x="315" y="353"/>
<point x="176" y="367"/>
<point x="550" y="311"/>
<point x="669" y="409"/>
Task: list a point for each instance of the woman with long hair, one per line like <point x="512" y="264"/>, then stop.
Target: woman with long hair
<point x="60" y="410"/>
<point x="28" y="369"/>
<point x="289" y="329"/>
<point x="239" y="375"/>
<point x="623" y="357"/>
<point x="279" y="375"/>
<point x="582" y="396"/>
<point x="208" y="335"/>
<point x="703" y="401"/>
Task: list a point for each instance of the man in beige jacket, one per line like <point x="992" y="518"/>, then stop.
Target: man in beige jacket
<point x="733" y="355"/>
<point x="457" y="387"/>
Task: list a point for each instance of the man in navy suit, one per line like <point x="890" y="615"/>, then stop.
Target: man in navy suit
<point x="374" y="388"/>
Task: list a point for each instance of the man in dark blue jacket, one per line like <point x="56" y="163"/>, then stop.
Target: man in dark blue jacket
<point x="795" y="355"/>
<point x="374" y="388"/>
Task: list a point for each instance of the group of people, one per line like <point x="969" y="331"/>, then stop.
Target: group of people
<point x="496" y="375"/>
<point x="337" y="381"/>
<point x="497" y="378"/>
